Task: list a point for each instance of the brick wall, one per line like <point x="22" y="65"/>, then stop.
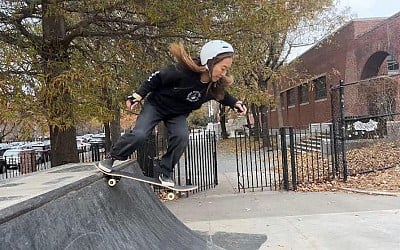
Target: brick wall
<point x="346" y="54"/>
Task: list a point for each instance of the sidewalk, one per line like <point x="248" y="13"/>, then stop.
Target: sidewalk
<point x="290" y="220"/>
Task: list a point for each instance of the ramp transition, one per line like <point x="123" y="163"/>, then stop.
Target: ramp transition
<point x="88" y="214"/>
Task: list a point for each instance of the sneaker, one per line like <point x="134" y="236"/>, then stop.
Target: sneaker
<point x="166" y="180"/>
<point x="106" y="165"/>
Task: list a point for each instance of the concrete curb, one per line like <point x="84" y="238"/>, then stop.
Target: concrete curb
<point x="371" y="192"/>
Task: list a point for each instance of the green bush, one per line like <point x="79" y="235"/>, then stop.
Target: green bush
<point x="198" y="119"/>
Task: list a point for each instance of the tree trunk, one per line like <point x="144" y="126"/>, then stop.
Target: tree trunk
<point x="278" y="102"/>
<point x="115" y="128"/>
<point x="107" y="139"/>
<point x="112" y="131"/>
<point x="256" y="127"/>
<point x="224" y="133"/>
<point x="56" y="97"/>
<point x="63" y="149"/>
<point x="264" y="126"/>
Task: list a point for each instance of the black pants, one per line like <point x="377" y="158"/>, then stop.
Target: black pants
<point x="178" y="136"/>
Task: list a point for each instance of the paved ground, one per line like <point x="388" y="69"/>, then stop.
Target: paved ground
<point x="69" y="201"/>
<point x="87" y="214"/>
<point x="290" y="220"/>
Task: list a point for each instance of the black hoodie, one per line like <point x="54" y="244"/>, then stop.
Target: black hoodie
<point x="176" y="90"/>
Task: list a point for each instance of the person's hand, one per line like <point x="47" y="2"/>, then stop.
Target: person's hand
<point x="132" y="101"/>
<point x="240" y="108"/>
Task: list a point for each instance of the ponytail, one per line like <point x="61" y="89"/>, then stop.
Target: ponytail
<point x="179" y="52"/>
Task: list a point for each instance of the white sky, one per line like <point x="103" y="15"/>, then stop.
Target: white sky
<point x="361" y="9"/>
<point x="371" y="8"/>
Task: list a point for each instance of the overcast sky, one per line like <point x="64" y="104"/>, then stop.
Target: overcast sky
<point x="371" y="8"/>
<point x="361" y="9"/>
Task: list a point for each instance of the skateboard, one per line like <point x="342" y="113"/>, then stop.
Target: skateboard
<point x="114" y="177"/>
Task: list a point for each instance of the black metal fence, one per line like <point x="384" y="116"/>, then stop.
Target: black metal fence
<point x="257" y="165"/>
<point x="23" y="162"/>
<point x="363" y="136"/>
<point x="366" y="125"/>
<point x="199" y="163"/>
<point x="198" y="166"/>
<point x="283" y="158"/>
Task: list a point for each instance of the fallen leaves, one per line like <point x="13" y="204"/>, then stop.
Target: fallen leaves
<point x="375" y="166"/>
<point x="387" y="180"/>
<point x="375" y="155"/>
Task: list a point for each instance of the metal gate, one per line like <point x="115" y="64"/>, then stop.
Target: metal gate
<point x="373" y="120"/>
<point x="197" y="166"/>
<point x="283" y="158"/>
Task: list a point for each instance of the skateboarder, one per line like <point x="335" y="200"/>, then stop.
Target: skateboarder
<point x="171" y="95"/>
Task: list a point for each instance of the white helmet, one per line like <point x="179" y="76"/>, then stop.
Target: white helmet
<point x="212" y="49"/>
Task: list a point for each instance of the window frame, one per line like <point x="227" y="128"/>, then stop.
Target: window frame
<point x="320" y="89"/>
<point x="392" y="64"/>
<point x="291" y="97"/>
<point x="304" y="94"/>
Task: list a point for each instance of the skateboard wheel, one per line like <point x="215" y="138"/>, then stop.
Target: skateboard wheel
<point x="112" y="182"/>
<point x="170" y="196"/>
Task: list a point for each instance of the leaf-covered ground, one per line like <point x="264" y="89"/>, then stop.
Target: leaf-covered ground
<point x="387" y="180"/>
<point x="375" y="166"/>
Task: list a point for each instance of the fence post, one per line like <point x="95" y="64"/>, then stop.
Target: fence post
<point x="95" y="152"/>
<point x="292" y="158"/>
<point x="285" y="167"/>
<point x="215" y="162"/>
<point x="334" y="131"/>
<point x="343" y="128"/>
<point x="333" y="148"/>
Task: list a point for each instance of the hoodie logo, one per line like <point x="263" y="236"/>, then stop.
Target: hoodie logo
<point x="193" y="96"/>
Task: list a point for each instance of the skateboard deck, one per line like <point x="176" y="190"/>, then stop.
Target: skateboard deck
<point x="115" y="175"/>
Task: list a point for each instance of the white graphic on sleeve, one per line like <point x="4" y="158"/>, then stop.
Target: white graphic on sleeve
<point x="193" y="96"/>
<point x="155" y="73"/>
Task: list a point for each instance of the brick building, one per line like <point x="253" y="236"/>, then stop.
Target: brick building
<point x="362" y="52"/>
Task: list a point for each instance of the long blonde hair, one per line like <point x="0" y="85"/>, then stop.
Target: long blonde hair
<point x="216" y="89"/>
<point x="179" y="52"/>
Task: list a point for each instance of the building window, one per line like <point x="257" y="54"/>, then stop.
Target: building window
<point x="393" y="65"/>
<point x="320" y="88"/>
<point x="282" y="101"/>
<point x="291" y="100"/>
<point x="303" y="93"/>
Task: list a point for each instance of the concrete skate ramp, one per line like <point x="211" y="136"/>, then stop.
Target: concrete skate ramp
<point x="91" y="215"/>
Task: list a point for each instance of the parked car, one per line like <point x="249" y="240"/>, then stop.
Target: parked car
<point x="3" y="149"/>
<point x="97" y="138"/>
<point x="82" y="145"/>
<point x="3" y="166"/>
<point x="42" y="151"/>
<point x="97" y="141"/>
<point x="15" y="156"/>
<point x="12" y="157"/>
<point x="86" y="137"/>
